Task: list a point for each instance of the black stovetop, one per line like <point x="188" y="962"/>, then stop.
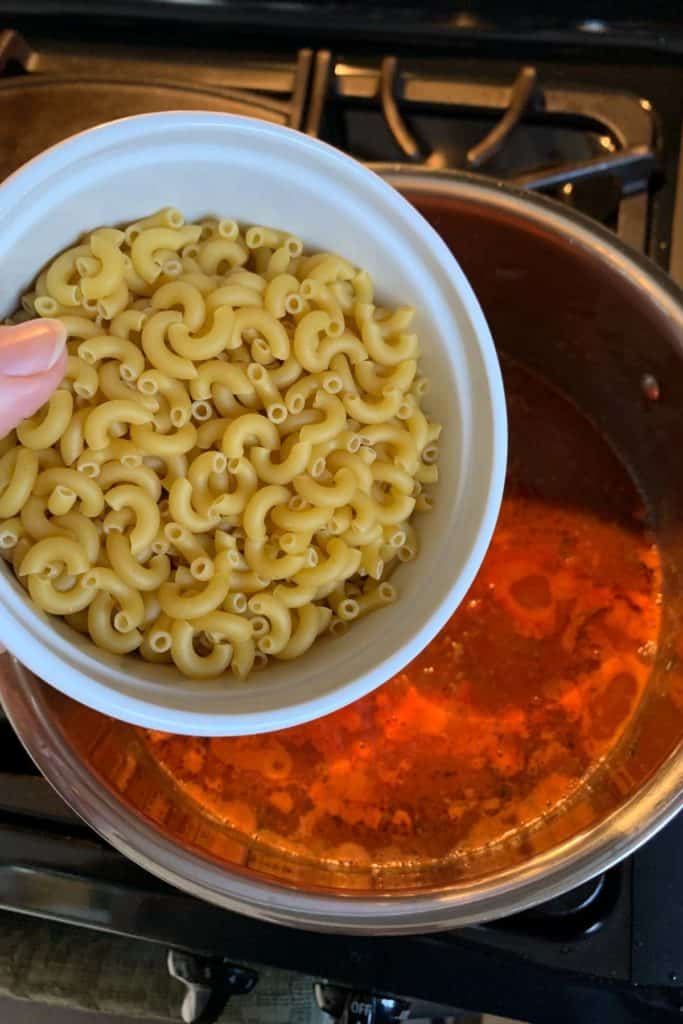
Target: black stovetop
<point x="589" y="111"/>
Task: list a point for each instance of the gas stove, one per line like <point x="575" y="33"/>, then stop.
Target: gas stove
<point x="586" y="111"/>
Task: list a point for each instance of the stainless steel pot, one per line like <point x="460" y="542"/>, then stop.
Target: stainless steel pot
<point x="566" y="299"/>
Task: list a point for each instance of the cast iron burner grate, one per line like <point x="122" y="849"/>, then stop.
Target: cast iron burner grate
<point x="595" y="149"/>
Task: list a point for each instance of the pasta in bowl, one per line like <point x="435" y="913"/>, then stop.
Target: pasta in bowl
<point x="231" y="465"/>
<point x="232" y="473"/>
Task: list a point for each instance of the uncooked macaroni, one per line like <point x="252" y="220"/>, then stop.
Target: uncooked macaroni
<point x="232" y="462"/>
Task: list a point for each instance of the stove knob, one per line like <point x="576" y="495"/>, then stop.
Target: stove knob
<point x="346" y="1006"/>
<point x="209" y="984"/>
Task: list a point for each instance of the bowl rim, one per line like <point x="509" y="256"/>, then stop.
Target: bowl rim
<point x="67" y="675"/>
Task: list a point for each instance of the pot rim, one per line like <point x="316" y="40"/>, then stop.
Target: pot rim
<point x="542" y="209"/>
<point x="550" y="874"/>
<point x="543" y="877"/>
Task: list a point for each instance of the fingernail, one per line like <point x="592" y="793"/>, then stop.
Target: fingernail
<point x="31" y="347"/>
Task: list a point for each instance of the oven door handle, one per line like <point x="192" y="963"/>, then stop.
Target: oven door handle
<point x="73" y="899"/>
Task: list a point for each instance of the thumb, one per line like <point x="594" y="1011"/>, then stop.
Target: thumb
<point x="32" y="365"/>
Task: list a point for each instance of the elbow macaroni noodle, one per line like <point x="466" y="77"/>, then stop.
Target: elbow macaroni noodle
<point x="231" y="464"/>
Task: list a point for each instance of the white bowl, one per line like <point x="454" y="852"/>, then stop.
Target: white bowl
<point x="260" y="173"/>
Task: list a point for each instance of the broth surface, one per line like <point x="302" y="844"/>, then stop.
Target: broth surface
<point x="531" y="683"/>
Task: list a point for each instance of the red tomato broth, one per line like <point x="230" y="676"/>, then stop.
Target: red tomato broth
<point x="509" y="710"/>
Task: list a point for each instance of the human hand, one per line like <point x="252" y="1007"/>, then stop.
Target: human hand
<point x="32" y="365"/>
